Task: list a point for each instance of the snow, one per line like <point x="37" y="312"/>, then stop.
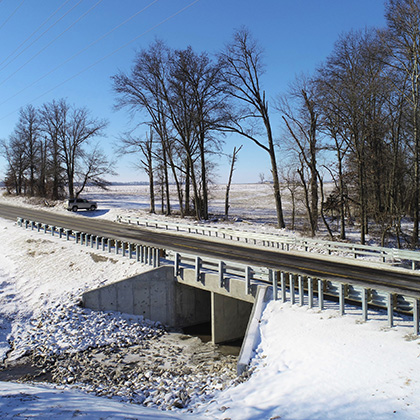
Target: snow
<point x="309" y="364"/>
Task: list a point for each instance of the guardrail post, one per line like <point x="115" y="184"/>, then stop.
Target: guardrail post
<point x="137" y="252"/>
<point x="320" y="294"/>
<point x="157" y="257"/>
<point x="129" y="251"/>
<point x="301" y="294"/>
<point x="292" y="288"/>
<point x="177" y="262"/>
<point x="341" y="298"/>
<point x="197" y="268"/>
<point x="123" y="248"/>
<point x="310" y="293"/>
<point x="413" y="265"/>
<point x="283" y="287"/>
<point x="67" y="234"/>
<point x="116" y="247"/>
<point x="389" y="309"/>
<point x="416" y="316"/>
<point x="150" y="254"/>
<point x="364" y="305"/>
<point x="52" y="230"/>
<point x="45" y="228"/>
<point x="248" y="275"/>
<point x="274" y="278"/>
<point x="222" y="268"/>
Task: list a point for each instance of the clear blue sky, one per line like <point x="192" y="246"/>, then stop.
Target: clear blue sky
<point x="297" y="36"/>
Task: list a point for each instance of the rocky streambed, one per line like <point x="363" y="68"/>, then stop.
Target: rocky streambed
<point x="166" y="370"/>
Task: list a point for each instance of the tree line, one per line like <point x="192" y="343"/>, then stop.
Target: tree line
<point x="354" y="120"/>
<point x="50" y="155"/>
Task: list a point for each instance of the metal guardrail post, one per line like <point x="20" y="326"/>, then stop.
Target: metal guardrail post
<point x="389" y="309"/>
<point x="364" y="305"/>
<point x="310" y="293"/>
<point x="274" y="279"/>
<point x="177" y="262"/>
<point x="197" y="268"/>
<point x="150" y="253"/>
<point x="320" y="294"/>
<point x="248" y="275"/>
<point x="283" y="287"/>
<point x="416" y="316"/>
<point x="137" y="253"/>
<point x="301" y="294"/>
<point x="271" y="280"/>
<point x="292" y="288"/>
<point x="341" y="298"/>
<point x="222" y="268"/>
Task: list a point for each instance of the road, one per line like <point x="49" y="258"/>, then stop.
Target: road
<point x="313" y="265"/>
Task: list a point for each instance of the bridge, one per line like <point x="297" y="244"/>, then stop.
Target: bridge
<point x="219" y="273"/>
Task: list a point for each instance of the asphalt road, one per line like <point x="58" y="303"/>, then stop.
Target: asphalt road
<point x="317" y="266"/>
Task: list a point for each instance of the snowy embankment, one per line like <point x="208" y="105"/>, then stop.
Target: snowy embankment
<point x="309" y="364"/>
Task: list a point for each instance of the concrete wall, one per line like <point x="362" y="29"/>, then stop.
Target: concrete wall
<point x="155" y="295"/>
<point x="180" y="301"/>
<point x="229" y="318"/>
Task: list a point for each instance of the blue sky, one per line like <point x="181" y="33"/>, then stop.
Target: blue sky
<point x="297" y="35"/>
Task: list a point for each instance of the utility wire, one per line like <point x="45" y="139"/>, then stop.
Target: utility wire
<point x="109" y="55"/>
<point x="81" y="51"/>
<point x="14" y="11"/>
<point x="55" y="39"/>
<point x="33" y="33"/>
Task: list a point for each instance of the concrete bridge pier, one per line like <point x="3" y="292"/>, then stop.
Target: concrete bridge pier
<point x="229" y="318"/>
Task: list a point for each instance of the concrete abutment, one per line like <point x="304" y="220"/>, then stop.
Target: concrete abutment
<point x="175" y="301"/>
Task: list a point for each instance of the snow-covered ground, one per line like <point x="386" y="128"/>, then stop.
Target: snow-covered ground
<point x="309" y="364"/>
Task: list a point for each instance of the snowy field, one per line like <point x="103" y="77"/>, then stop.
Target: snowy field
<point x="309" y="364"/>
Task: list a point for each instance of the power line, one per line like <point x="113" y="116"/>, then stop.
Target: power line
<point x="14" y="11"/>
<point x="108" y="55"/>
<point x="81" y="51"/>
<point x="55" y="39"/>
<point x="33" y="33"/>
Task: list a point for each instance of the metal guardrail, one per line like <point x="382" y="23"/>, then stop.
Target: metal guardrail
<point x="301" y="290"/>
<point x="393" y="256"/>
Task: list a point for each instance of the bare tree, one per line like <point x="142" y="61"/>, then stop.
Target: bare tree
<point x="28" y="131"/>
<point x="52" y="120"/>
<point x="77" y="130"/>
<point x="300" y="114"/>
<point x="233" y="160"/>
<point x="243" y="68"/>
<point x="403" y="18"/>
<point x="144" y="146"/>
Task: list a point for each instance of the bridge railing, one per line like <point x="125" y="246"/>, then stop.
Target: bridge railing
<point x="286" y="285"/>
<point x="302" y="290"/>
<point x="393" y="256"/>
